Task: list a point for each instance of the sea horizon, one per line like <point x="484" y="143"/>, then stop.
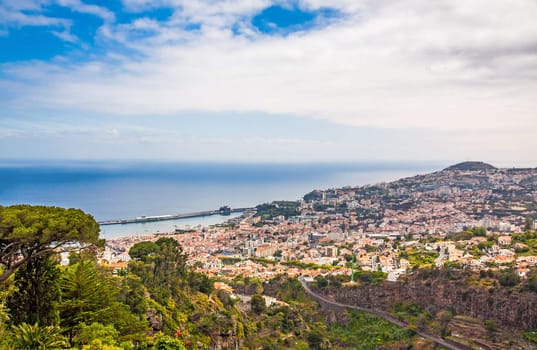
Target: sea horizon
<point x="111" y="190"/>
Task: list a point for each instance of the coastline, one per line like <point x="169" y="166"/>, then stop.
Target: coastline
<point x="109" y="191"/>
<point x="150" y="229"/>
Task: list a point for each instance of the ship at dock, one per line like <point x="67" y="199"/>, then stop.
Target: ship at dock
<point x="224" y="210"/>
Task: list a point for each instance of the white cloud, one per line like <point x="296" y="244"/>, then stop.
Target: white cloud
<point x="16" y="17"/>
<point x="443" y="65"/>
<point x="20" y="13"/>
<point x="79" y="6"/>
<point x="65" y="35"/>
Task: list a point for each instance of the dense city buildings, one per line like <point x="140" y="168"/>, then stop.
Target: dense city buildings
<point x="470" y="215"/>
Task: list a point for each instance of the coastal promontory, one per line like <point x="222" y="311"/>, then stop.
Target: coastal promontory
<point x="471" y="166"/>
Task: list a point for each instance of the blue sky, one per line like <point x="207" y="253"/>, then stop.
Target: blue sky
<point x="262" y="80"/>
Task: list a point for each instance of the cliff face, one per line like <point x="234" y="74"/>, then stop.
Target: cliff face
<point x="510" y="309"/>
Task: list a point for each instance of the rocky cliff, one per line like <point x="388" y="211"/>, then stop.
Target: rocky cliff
<point x="509" y="308"/>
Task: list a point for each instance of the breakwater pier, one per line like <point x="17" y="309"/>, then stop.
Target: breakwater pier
<point x="140" y="219"/>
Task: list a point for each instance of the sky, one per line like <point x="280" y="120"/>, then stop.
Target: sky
<point x="269" y="81"/>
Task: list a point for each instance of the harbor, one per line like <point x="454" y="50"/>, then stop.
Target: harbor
<point x="143" y="219"/>
<point x="178" y="225"/>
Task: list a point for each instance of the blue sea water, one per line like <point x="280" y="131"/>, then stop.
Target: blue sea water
<point x="120" y="189"/>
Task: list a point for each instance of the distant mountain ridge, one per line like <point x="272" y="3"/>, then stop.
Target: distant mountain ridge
<point x="471" y="166"/>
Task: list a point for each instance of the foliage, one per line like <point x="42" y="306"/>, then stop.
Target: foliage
<point x="228" y="260"/>
<point x="160" y="265"/>
<point x="529" y="238"/>
<point x="131" y="293"/>
<point x="225" y="298"/>
<point x="490" y="325"/>
<point x="338" y="280"/>
<point x="529" y="243"/>
<point x="284" y="318"/>
<point x="452" y="265"/>
<point x="85" y="297"/>
<point x="107" y="335"/>
<point x="321" y="282"/>
<point x="37" y="292"/>
<point x="312" y="266"/>
<point x="290" y="290"/>
<point x="532" y="281"/>
<point x="4" y="318"/>
<point x="83" y="255"/>
<point x="269" y="211"/>
<point x="411" y="309"/>
<point x="313" y="196"/>
<point x="420" y="259"/>
<point x="143" y="251"/>
<point x="35" y="337"/>
<point x="413" y="314"/>
<point x="444" y="318"/>
<point x="200" y="282"/>
<point x="478" y="231"/>
<point x="485" y="245"/>
<point x="257" y="304"/>
<point x="366" y="331"/>
<point x="467" y="235"/>
<point x="89" y="296"/>
<point x="97" y="310"/>
<point x="315" y="340"/>
<point x="28" y="232"/>
<point x="531" y="335"/>
<point x="508" y="278"/>
<point x="97" y="344"/>
<point x="168" y="343"/>
<point x="373" y="277"/>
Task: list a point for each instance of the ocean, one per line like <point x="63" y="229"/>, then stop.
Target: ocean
<point x="120" y="189"/>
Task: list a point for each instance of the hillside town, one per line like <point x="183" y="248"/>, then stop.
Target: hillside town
<point x="470" y="215"/>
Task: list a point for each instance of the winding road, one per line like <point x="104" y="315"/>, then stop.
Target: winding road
<point x="382" y="314"/>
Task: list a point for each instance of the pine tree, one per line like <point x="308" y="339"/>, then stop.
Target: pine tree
<point x="37" y="292"/>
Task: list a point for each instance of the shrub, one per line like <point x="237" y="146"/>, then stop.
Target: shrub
<point x="490" y="325"/>
<point x="257" y="304"/>
<point x="508" y="278"/>
<point x="168" y="343"/>
<point x="532" y="282"/>
<point x="27" y="336"/>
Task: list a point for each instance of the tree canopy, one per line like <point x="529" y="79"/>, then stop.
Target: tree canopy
<point x="37" y="292"/>
<point x="160" y="265"/>
<point x="28" y="232"/>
